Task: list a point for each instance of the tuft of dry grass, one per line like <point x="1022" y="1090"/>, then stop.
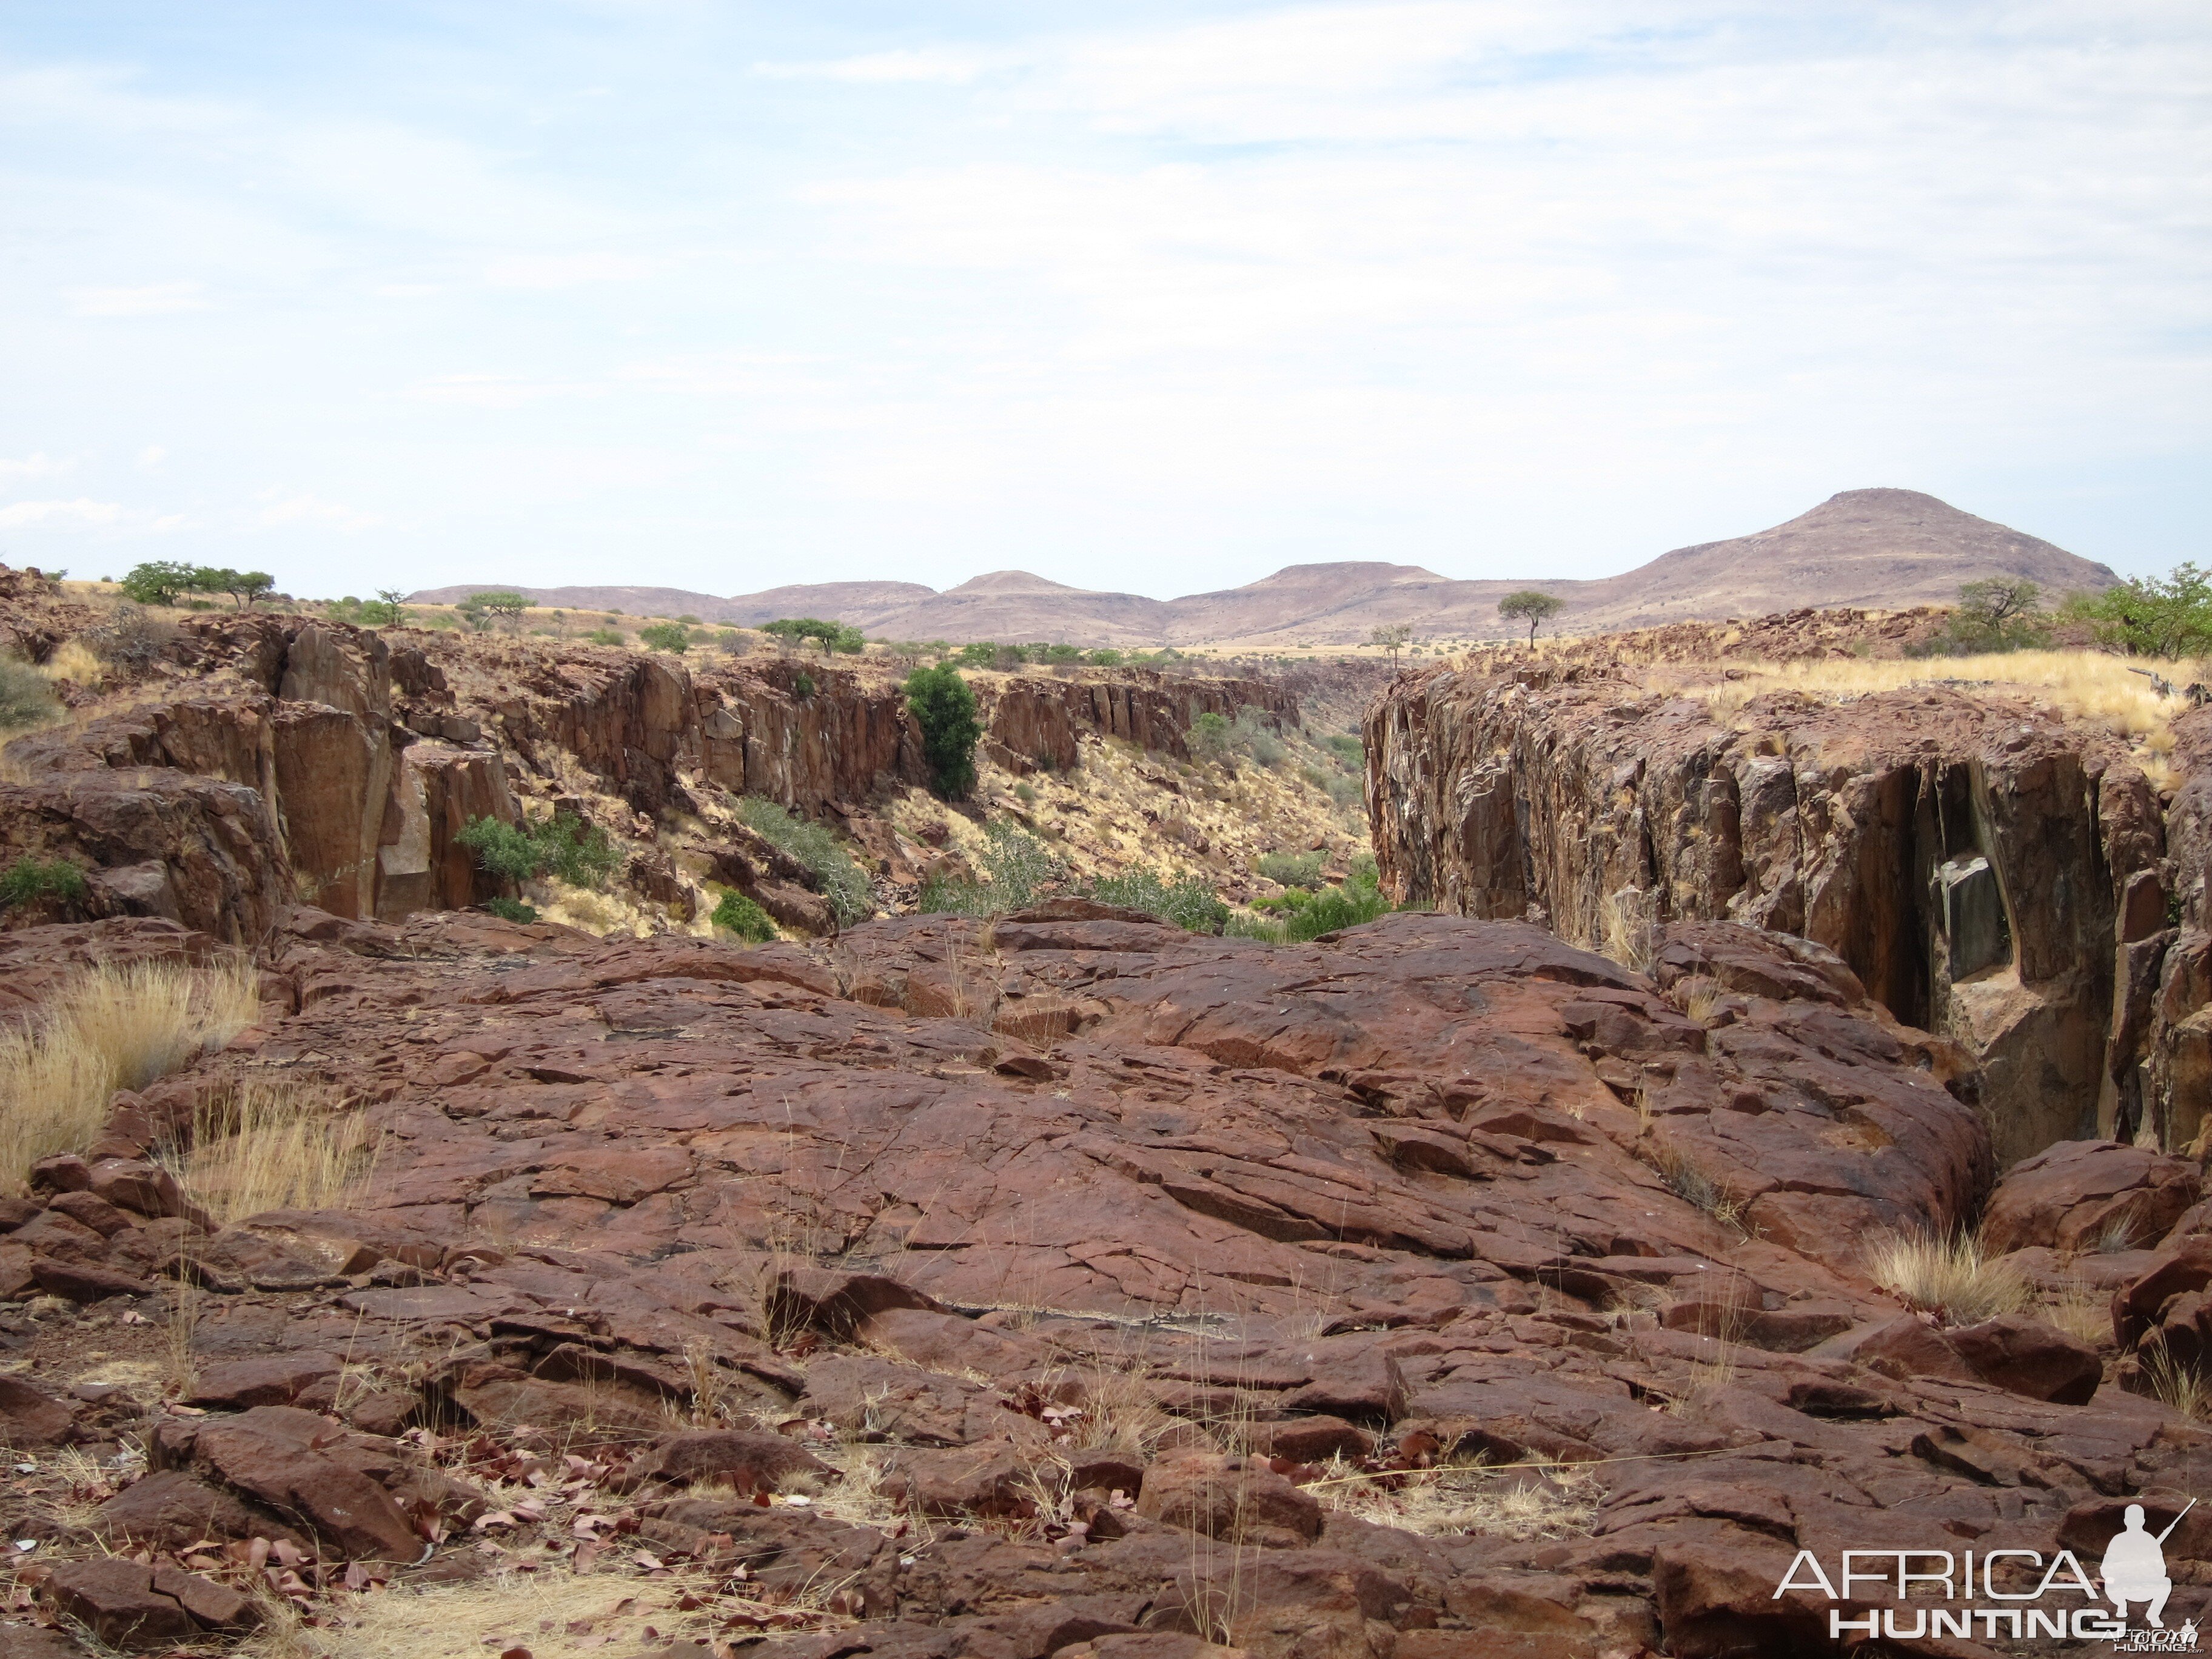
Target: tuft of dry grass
<point x="274" y="1145"/>
<point x="555" y="1613"/>
<point x="2079" y="1311"/>
<point x="73" y="660"/>
<point x="1691" y="1184"/>
<point x="2180" y="1387"/>
<point x="1554" y="1501"/>
<point x="1952" y="1278"/>
<point x="116" y="1026"/>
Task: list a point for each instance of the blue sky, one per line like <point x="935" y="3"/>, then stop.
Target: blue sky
<point x="1149" y="296"/>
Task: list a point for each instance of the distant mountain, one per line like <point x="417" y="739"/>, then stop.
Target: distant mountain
<point x="1881" y="549"/>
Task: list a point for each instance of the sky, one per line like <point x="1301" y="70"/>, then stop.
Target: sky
<point x="1149" y="296"/>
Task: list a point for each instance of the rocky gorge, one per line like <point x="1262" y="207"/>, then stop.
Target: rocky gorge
<point x="1061" y="1282"/>
<point x="1992" y="869"/>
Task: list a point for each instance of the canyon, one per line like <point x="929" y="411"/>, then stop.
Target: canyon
<point x="1502" y="1276"/>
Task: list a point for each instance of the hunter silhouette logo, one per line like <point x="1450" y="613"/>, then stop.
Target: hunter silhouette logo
<point x="1925" y="1587"/>
<point x="2134" y="1566"/>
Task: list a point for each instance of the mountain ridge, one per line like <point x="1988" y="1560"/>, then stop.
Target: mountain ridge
<point x="1876" y="549"/>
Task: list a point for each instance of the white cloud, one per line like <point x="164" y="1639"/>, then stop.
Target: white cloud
<point x="151" y="457"/>
<point x="498" y="391"/>
<point x="939" y="65"/>
<point x="159" y="299"/>
<point x="40" y="465"/>
<point x="80" y="514"/>
<point x="554" y="270"/>
<point x="281" y="509"/>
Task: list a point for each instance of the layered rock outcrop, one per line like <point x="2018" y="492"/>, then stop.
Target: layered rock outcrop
<point x="1992" y="871"/>
<point x="280" y="760"/>
<point x="1078" y="1241"/>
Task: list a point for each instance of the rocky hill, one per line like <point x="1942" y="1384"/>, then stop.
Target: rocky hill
<point x="1884" y="549"/>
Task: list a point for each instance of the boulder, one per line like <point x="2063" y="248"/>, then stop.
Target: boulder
<point x="1236" y="1500"/>
<point x="30" y="1417"/>
<point x="2025" y="1356"/>
<point x="2088" y="1196"/>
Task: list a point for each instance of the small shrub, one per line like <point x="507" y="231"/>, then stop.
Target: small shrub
<point x="503" y="850"/>
<point x="802" y="686"/>
<point x="836" y="877"/>
<point x="666" y="637"/>
<point x="1242" y="923"/>
<point x="1951" y="1277"/>
<point x="507" y="909"/>
<point x="943" y="708"/>
<point x="29" y="880"/>
<point x="26" y="698"/>
<point x="1016" y="867"/>
<point x="1360" y="899"/>
<point x="729" y="642"/>
<point x="130" y="639"/>
<point x="738" y="915"/>
<point x="1188" y="901"/>
<point x="1291" y="869"/>
<point x="1104" y="658"/>
<point x="582" y="854"/>
<point x="1024" y="794"/>
<point x="1209" y="736"/>
<point x="605" y="636"/>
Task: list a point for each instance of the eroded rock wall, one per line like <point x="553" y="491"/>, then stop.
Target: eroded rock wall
<point x="1983" y="866"/>
<point x="284" y="760"/>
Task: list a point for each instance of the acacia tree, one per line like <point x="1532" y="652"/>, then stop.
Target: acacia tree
<point x="1392" y="637"/>
<point x="244" y="587"/>
<point x="502" y="603"/>
<point x="1531" y="605"/>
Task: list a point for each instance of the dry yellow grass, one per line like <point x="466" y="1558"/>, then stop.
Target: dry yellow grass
<point x="112" y="1027"/>
<point x="273" y="1144"/>
<point x="73" y="660"/>
<point x="1523" y="1504"/>
<point x="554" y="1613"/>
<point x="2089" y="685"/>
<point x="1951" y="1277"/>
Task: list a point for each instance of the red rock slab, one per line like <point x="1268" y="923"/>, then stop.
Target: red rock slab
<point x="2072" y="1195"/>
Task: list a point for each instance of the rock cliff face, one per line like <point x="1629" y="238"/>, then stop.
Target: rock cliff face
<point x="1989" y="871"/>
<point x="283" y="760"/>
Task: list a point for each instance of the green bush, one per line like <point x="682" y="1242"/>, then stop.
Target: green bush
<point x="2150" y="617"/>
<point x="27" y="880"/>
<point x="1291" y="869"/>
<point x="1188" y="901"/>
<point x="944" y="707"/>
<point x="1217" y="737"/>
<point x="802" y="686"/>
<point x="1348" y="748"/>
<point x="666" y="637"/>
<point x="836" y="877"/>
<point x="1025" y="794"/>
<point x="507" y="909"/>
<point x="1017" y="866"/>
<point x="160" y="582"/>
<point x="738" y="915"/>
<point x="1360" y="899"/>
<point x="606" y="636"/>
<point x="978" y="653"/>
<point x="25" y="698"/>
<point x="581" y="854"/>
<point x="1104" y="657"/>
